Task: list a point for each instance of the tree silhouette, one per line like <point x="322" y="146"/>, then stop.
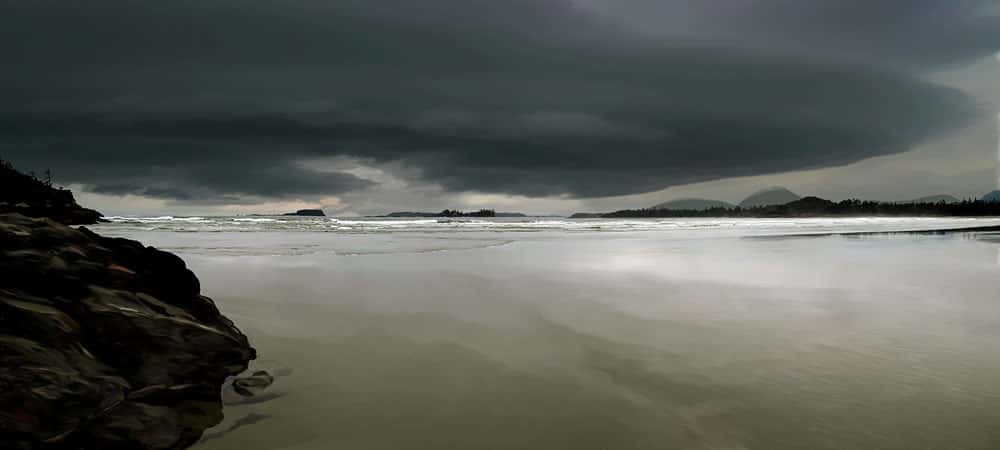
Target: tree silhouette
<point x="818" y="207"/>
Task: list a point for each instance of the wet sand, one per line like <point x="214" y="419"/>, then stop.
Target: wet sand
<point x="616" y="341"/>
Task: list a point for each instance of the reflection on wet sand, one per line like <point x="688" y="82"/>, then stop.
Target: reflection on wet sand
<point x="625" y="342"/>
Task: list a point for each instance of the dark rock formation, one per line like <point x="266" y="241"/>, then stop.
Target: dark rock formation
<point x="105" y="343"/>
<point x="307" y="212"/>
<point x="35" y="197"/>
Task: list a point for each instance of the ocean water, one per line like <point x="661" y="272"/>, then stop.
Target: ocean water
<point x="526" y="224"/>
<point x="544" y="333"/>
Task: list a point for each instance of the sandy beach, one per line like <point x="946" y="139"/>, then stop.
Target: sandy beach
<point x="631" y="340"/>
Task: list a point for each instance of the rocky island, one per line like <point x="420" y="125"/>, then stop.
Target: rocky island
<point x="455" y="213"/>
<point x="104" y="343"/>
<point x="307" y="213"/>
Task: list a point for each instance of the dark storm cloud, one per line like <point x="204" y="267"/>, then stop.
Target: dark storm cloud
<point x="915" y="33"/>
<point x="217" y="100"/>
<point x="191" y="170"/>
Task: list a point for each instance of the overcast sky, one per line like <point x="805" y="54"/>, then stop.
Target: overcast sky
<point x="541" y="106"/>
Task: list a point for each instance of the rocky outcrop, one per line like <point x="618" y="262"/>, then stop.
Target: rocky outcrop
<point x="106" y="343"/>
<point x="33" y="197"/>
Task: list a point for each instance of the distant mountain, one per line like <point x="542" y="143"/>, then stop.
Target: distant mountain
<point x="806" y="206"/>
<point x="695" y="204"/>
<point x="771" y="196"/>
<point x="992" y="197"/>
<point x="935" y="199"/>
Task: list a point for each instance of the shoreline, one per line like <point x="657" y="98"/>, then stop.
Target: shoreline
<point x="975" y="229"/>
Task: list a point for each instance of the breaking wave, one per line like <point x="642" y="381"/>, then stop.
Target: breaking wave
<point x="431" y="225"/>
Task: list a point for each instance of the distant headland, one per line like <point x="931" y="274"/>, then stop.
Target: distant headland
<point x="780" y="202"/>
<point x="819" y="207"/>
<point x="31" y="196"/>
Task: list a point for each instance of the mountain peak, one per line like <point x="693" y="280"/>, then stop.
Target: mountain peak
<point x="775" y="195"/>
<point x="992" y="196"/>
